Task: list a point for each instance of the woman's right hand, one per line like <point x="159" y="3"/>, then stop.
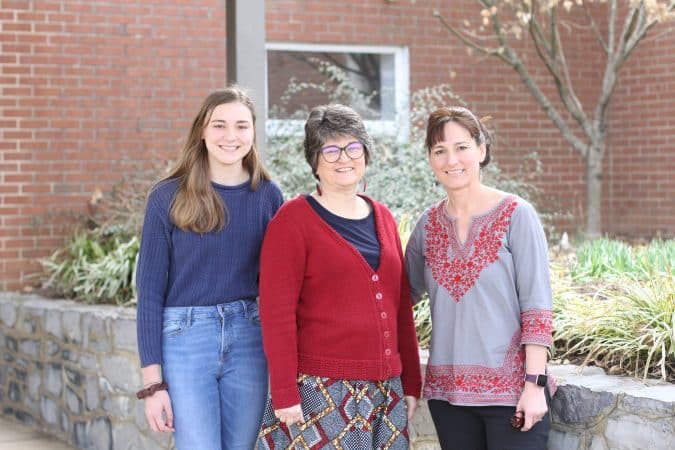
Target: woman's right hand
<point x="158" y="412"/>
<point x="290" y="416"/>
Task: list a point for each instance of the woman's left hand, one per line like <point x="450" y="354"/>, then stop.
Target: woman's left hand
<point x="411" y="402"/>
<point x="532" y="403"/>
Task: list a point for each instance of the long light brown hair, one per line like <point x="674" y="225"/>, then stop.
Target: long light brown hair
<point x="197" y="206"/>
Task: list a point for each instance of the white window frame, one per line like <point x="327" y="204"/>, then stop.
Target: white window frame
<point x="399" y="127"/>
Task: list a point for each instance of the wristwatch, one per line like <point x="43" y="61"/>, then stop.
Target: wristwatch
<point x="539" y="380"/>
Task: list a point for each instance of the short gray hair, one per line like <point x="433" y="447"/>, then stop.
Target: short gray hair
<point x="332" y="121"/>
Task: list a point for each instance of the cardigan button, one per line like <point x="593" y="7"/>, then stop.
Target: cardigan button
<point x="387" y="352"/>
<point x="383" y="315"/>
<point x="378" y="296"/>
<point x="375" y="277"/>
<point x="386" y="334"/>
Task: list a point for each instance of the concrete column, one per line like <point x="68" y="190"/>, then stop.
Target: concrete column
<point x="246" y="57"/>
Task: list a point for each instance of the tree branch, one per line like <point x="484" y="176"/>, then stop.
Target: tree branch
<point x="556" y="64"/>
<point x="468" y="41"/>
<point x="594" y="27"/>
<point x="512" y="58"/>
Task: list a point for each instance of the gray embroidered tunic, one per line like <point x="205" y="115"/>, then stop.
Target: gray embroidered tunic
<point x="488" y="296"/>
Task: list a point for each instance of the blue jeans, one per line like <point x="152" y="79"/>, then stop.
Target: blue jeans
<point x="214" y="363"/>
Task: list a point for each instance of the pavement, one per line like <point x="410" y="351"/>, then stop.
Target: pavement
<point x="15" y="436"/>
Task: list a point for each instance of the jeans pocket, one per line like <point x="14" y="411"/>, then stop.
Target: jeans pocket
<point x="254" y="316"/>
<point x="173" y="328"/>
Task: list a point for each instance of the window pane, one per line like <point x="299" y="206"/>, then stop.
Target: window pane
<point x="300" y="80"/>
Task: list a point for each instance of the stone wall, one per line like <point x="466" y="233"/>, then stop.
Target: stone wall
<point x="71" y="370"/>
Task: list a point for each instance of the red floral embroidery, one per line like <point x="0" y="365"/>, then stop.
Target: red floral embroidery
<point x="479" y="385"/>
<point x="458" y="275"/>
<point x="537" y="326"/>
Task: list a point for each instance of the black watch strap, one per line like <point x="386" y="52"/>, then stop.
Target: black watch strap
<point x="539" y="380"/>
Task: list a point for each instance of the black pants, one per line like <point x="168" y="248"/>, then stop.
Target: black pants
<point x="484" y="428"/>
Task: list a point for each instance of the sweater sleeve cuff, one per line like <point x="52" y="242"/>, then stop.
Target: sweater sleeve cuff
<point x="412" y="386"/>
<point x="285" y="398"/>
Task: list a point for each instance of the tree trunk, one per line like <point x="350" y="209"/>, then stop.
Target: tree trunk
<point x="594" y="191"/>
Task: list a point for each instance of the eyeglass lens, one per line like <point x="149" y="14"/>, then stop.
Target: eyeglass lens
<point x="332" y="152"/>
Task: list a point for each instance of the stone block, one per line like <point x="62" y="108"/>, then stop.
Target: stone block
<point x="67" y="425"/>
<point x="88" y="363"/>
<point x="579" y="406"/>
<point x="14" y="392"/>
<point x="95" y="334"/>
<point x="11" y="344"/>
<point x="50" y="411"/>
<point x="30" y="320"/>
<point x="53" y="324"/>
<point x="52" y="348"/>
<point x="561" y="440"/>
<point x="126" y="437"/>
<point x="34" y="383"/>
<point x="598" y="443"/>
<point x="80" y="434"/>
<point x="99" y="434"/>
<point x="73" y="376"/>
<point x="30" y="348"/>
<point x="124" y="332"/>
<point x="25" y="418"/>
<point x="91" y="394"/>
<point x="72" y="328"/>
<point x="646" y="407"/>
<point x="8" y="314"/>
<point x="119" y="406"/>
<point x="630" y="432"/>
<point x="8" y="358"/>
<point x="141" y="421"/>
<point x="73" y="401"/>
<point x="53" y="379"/>
<point x="116" y="371"/>
<point x="71" y="355"/>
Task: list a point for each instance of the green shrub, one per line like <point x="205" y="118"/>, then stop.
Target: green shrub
<point x="95" y="268"/>
<point x="626" y="326"/>
<point x="609" y="258"/>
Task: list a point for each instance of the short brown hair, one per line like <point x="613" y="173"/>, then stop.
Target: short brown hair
<point x="332" y="121"/>
<point x="464" y="117"/>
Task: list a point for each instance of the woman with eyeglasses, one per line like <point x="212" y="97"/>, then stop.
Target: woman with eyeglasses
<point x="481" y="254"/>
<point x="335" y="307"/>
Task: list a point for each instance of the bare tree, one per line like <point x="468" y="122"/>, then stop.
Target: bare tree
<point x="624" y="25"/>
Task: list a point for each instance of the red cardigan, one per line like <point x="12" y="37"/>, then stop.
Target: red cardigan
<point x="325" y="312"/>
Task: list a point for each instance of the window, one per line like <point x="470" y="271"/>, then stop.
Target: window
<point x="372" y="80"/>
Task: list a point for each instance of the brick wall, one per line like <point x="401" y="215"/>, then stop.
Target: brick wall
<point x="640" y="186"/>
<point x="95" y="89"/>
<point x="92" y="90"/>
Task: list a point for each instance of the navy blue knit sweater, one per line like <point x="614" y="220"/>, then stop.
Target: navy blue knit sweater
<point x="183" y="268"/>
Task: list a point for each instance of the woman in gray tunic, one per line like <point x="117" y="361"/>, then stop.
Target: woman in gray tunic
<point x="481" y="254"/>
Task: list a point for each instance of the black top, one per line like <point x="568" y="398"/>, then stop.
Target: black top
<point x="361" y="233"/>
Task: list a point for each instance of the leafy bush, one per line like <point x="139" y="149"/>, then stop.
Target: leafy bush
<point x="95" y="268"/>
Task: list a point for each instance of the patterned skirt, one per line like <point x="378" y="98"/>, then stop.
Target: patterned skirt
<point x="341" y="415"/>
